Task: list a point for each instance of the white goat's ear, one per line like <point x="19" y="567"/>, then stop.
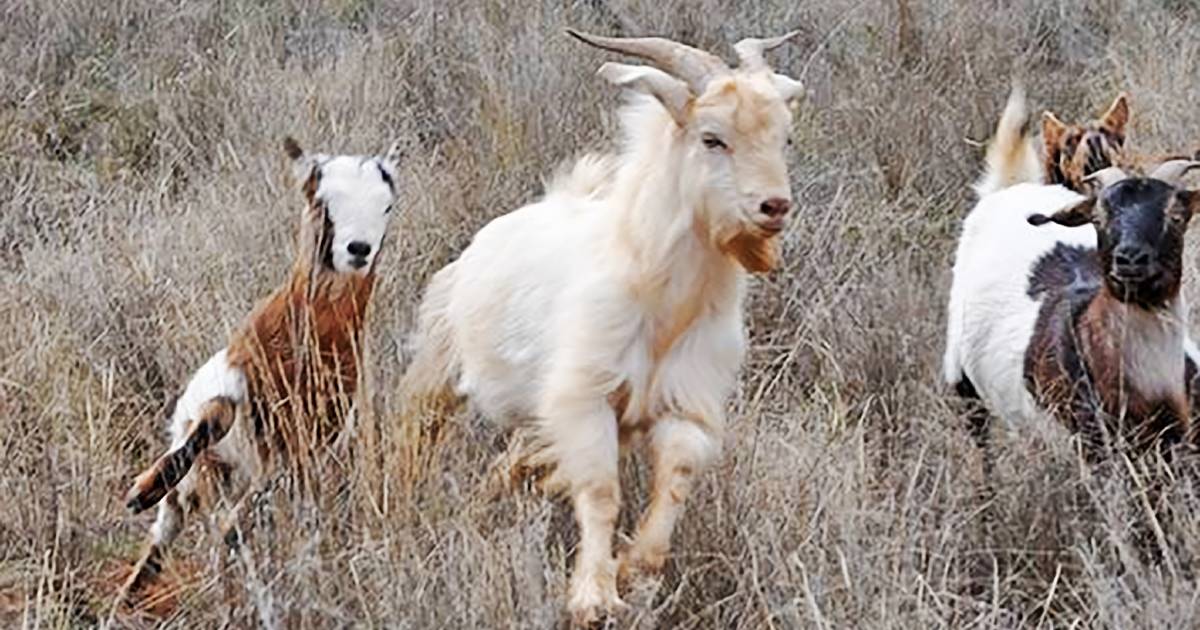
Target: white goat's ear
<point x="789" y="89"/>
<point x="671" y="92"/>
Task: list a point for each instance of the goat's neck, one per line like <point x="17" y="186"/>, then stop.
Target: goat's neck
<point x="330" y="299"/>
<point x="672" y="263"/>
<point x="1138" y="349"/>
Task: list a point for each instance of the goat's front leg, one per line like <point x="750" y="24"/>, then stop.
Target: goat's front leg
<point x="680" y="449"/>
<point x="583" y="448"/>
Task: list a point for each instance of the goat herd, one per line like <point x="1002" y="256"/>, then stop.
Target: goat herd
<point x="609" y="313"/>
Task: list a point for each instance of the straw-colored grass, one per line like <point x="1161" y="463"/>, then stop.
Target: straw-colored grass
<point x="144" y="207"/>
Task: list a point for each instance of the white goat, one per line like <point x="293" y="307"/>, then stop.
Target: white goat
<point x="613" y="307"/>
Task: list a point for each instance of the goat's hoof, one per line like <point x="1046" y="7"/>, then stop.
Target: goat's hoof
<point x="141" y="498"/>
<point x="635" y="563"/>
<point x="593" y="600"/>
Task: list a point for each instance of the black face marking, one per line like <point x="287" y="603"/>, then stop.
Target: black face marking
<point x="1082" y="152"/>
<point x="387" y="178"/>
<point x="1135" y="225"/>
<point x="1067" y="269"/>
<point x="325" y="245"/>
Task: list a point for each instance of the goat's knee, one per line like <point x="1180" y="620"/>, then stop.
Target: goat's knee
<point x="681" y="449"/>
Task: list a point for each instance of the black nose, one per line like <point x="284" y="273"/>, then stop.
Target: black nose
<point x="775" y="207"/>
<point x="1132" y="256"/>
<point x="359" y="248"/>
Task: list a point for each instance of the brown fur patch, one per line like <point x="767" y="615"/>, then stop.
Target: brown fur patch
<point x="300" y="350"/>
<point x="1073" y="366"/>
<point x="755" y="253"/>
<point x="1072" y="152"/>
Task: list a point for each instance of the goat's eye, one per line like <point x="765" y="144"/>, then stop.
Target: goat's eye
<point x="387" y="209"/>
<point x="712" y="142"/>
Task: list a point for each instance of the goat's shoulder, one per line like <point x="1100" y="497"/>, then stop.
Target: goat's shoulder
<point x="1064" y="280"/>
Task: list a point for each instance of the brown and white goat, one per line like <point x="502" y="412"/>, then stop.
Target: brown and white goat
<point x="1086" y="326"/>
<point x="613" y="307"/>
<point x="1073" y="152"/>
<point x="283" y="387"/>
<point x="1069" y="152"/>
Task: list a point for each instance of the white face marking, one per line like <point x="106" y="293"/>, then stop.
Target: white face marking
<point x="1153" y="348"/>
<point x="358" y="203"/>
<point x="739" y="139"/>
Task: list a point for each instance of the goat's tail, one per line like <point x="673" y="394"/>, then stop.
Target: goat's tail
<point x="589" y="176"/>
<point x="213" y="422"/>
<point x="1011" y="155"/>
<point x="427" y="391"/>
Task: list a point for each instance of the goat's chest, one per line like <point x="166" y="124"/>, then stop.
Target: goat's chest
<point x="302" y="358"/>
<point x="1089" y="372"/>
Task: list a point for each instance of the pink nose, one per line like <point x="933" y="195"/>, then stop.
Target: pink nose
<point x="775" y="207"/>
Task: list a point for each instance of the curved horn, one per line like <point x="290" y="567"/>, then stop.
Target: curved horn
<point x="750" y="51"/>
<point x="1172" y="170"/>
<point x="693" y="65"/>
<point x="1107" y="176"/>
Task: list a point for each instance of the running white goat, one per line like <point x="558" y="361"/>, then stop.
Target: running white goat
<point x="613" y="307"/>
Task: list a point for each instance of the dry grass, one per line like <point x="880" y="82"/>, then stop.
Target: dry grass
<point x="144" y="207"/>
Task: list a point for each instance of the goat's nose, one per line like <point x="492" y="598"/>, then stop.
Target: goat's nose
<point x="1132" y="256"/>
<point x="359" y="248"/>
<point x="775" y="207"/>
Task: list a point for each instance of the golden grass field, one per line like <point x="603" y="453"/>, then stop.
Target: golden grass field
<point x="145" y="206"/>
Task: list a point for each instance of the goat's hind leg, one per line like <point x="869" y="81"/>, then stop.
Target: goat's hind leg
<point x="171" y="483"/>
<point x="215" y="418"/>
<point x="979" y="424"/>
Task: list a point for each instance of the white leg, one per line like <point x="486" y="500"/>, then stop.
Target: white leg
<point x="583" y="446"/>
<point x="680" y="449"/>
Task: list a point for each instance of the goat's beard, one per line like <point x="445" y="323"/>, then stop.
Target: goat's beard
<point x="756" y="253"/>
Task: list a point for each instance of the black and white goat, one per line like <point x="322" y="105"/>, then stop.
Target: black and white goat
<point x="1086" y="326"/>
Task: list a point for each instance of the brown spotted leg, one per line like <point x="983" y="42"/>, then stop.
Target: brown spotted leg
<point x="168" y="484"/>
<point x="216" y="417"/>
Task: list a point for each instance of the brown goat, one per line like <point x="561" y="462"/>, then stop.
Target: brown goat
<point x="283" y="387"/>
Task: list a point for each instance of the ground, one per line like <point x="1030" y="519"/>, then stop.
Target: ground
<point x="145" y="205"/>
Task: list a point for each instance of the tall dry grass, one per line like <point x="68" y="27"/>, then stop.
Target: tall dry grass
<point x="144" y="207"/>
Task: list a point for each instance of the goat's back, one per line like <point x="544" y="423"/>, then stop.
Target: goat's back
<point x="507" y="297"/>
<point x="992" y="314"/>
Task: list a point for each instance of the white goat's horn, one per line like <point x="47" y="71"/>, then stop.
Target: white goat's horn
<point x="1172" y="170"/>
<point x="750" y="51"/>
<point x="1107" y="176"/>
<point x="692" y="65"/>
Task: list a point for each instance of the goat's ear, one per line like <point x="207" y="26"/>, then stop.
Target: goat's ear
<point x="790" y="89"/>
<point x="302" y="163"/>
<point x="1191" y="201"/>
<point x="671" y="92"/>
<point x="1117" y="117"/>
<point x="1053" y="130"/>
<point x="1075" y="216"/>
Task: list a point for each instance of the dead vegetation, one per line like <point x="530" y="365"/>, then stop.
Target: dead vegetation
<point x="143" y="208"/>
